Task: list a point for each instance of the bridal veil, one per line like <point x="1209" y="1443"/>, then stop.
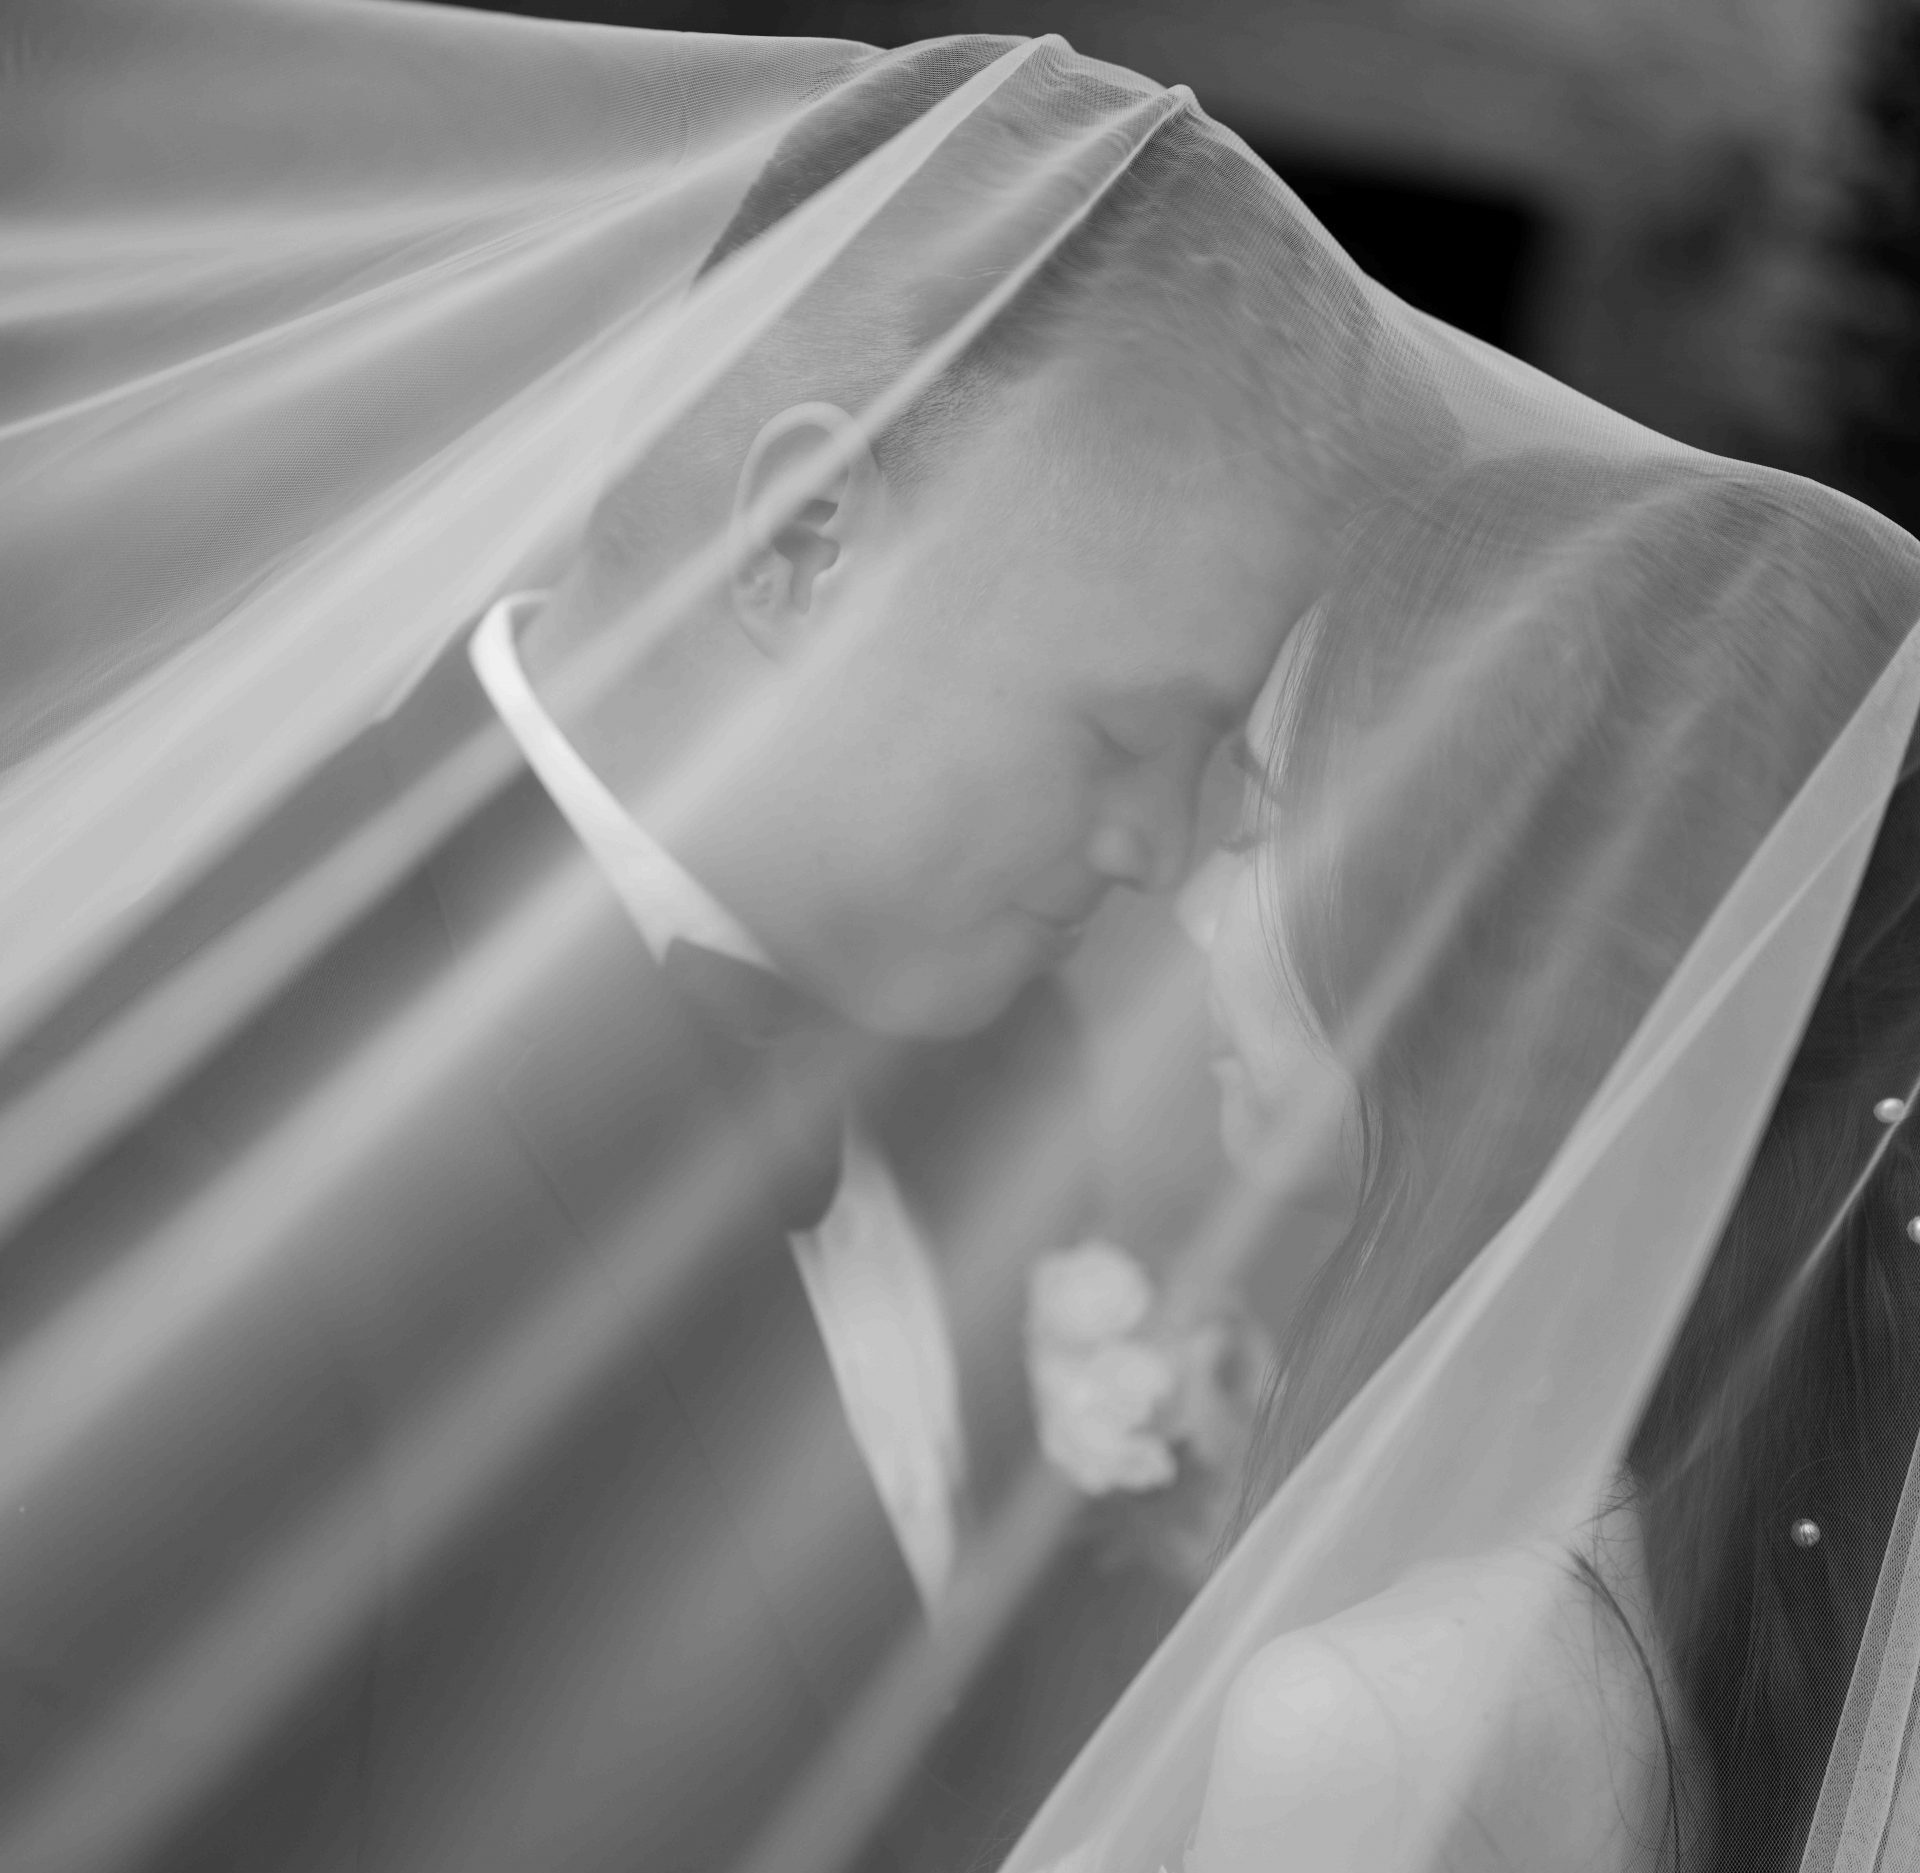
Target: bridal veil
<point x="329" y="322"/>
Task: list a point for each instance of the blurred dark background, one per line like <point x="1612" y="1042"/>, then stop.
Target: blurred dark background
<point x="1704" y="212"/>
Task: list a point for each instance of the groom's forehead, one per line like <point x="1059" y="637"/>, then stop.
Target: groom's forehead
<point x="1194" y="644"/>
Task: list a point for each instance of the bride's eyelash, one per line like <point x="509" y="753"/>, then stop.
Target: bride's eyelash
<point x="1241" y="757"/>
<point x="1241" y="843"/>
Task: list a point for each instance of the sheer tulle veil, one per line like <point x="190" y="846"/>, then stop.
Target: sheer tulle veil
<point x="330" y="322"/>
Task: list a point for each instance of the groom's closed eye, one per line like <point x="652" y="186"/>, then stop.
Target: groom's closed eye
<point x="1145" y="731"/>
<point x="1117" y="747"/>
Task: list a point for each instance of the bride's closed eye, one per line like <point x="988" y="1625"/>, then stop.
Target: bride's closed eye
<point x="1251" y="831"/>
<point x="1252" y="769"/>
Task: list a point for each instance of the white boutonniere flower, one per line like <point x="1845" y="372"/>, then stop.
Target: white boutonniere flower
<point x="1117" y="1390"/>
<point x="1096" y="1386"/>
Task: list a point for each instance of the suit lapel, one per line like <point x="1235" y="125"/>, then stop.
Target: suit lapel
<point x="654" y="1134"/>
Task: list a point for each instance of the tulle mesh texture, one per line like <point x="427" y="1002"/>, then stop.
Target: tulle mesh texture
<point x="330" y="323"/>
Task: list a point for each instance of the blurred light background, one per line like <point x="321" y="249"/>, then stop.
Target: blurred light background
<point x="1705" y="213"/>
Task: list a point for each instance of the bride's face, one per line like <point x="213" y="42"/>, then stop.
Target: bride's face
<point x="1288" y="1108"/>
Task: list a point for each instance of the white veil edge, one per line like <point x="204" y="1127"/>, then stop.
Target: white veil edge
<point x="1869" y="1811"/>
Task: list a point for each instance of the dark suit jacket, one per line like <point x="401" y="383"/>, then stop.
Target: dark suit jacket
<point x="469" y="1489"/>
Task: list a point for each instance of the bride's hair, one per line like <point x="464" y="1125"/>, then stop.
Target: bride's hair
<point x="1475" y="901"/>
<point x="1792" y="1391"/>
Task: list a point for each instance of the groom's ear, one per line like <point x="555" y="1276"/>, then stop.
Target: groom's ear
<point x="808" y="487"/>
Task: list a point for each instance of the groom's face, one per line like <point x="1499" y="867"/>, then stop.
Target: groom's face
<point x="1035" y="660"/>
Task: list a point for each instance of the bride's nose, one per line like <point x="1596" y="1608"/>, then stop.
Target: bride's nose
<point x="1204" y="896"/>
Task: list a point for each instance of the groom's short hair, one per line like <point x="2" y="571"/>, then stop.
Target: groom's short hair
<point x="1193" y="265"/>
<point x="1195" y="248"/>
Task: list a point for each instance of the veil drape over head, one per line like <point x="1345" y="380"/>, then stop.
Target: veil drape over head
<point x="332" y="324"/>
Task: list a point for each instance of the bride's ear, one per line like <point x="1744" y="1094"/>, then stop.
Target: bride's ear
<point x="807" y="490"/>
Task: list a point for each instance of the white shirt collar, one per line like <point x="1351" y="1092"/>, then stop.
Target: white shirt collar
<point x="663" y="898"/>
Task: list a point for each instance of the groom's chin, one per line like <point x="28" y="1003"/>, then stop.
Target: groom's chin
<point x="941" y="998"/>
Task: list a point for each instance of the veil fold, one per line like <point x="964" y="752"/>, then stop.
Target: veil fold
<point x="1867" y="1815"/>
<point x="331" y="322"/>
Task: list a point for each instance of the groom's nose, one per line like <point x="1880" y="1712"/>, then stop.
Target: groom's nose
<point x="1145" y="839"/>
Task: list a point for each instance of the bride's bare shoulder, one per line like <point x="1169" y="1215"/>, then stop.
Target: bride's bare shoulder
<point x="1330" y="1733"/>
<point x="1497" y="1704"/>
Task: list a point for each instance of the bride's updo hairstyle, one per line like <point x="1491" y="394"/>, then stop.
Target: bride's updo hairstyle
<point x="1208" y="321"/>
<point x="1498" y="816"/>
